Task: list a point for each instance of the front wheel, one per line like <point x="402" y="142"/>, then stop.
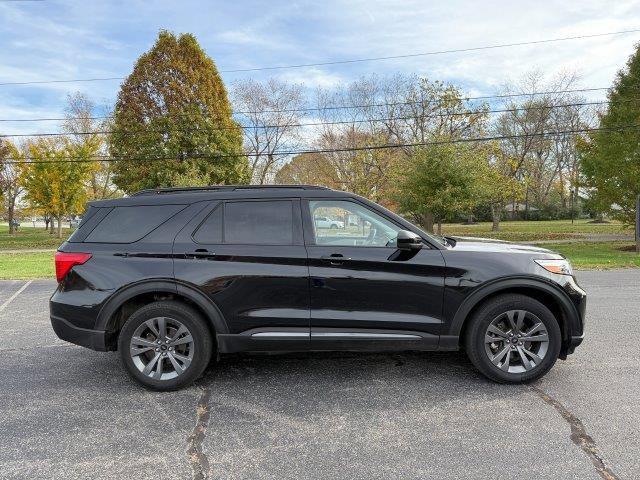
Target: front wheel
<point x="165" y="345"/>
<point x="513" y="339"/>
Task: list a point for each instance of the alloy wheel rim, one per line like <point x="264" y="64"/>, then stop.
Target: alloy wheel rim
<point x="516" y="341"/>
<point x="162" y="348"/>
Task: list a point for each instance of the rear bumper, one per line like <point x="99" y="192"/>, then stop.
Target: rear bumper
<point x="93" y="339"/>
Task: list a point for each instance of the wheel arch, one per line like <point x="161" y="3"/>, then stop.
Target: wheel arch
<point x="553" y="297"/>
<point x="121" y="304"/>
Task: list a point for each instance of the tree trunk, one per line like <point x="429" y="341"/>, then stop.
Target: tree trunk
<point x="11" y="213"/>
<point x="495" y="216"/>
<point x="51" y="226"/>
<point x="46" y="223"/>
<point x="59" y="233"/>
<point x="439" y="227"/>
<point x="427" y="221"/>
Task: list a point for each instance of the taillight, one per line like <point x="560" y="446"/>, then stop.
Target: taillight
<point x="65" y="261"/>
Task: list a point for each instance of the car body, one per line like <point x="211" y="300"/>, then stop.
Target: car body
<point x="249" y="264"/>
<point x="324" y="222"/>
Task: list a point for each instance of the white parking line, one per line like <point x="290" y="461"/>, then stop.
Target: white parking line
<point x="12" y="297"/>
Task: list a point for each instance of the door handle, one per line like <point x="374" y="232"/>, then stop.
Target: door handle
<point x="200" y="253"/>
<point x="335" y="258"/>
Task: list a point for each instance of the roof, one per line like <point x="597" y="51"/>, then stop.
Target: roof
<point x="187" y="195"/>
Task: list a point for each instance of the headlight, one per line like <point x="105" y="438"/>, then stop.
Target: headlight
<point x="560" y="266"/>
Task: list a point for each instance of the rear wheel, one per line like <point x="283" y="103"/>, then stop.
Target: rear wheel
<point x="513" y="339"/>
<point x="165" y="345"/>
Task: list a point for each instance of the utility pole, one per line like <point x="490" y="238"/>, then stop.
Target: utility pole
<point x="638" y="224"/>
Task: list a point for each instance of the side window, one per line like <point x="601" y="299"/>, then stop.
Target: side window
<point x="210" y="231"/>
<point x="344" y="223"/>
<point x="259" y="222"/>
<point x="130" y="224"/>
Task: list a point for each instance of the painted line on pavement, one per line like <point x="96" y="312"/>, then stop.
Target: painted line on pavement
<point x="13" y="297"/>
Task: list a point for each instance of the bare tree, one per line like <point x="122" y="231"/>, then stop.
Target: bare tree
<point x="10" y="182"/>
<point x="271" y="117"/>
<point x="85" y="130"/>
<point x="531" y="152"/>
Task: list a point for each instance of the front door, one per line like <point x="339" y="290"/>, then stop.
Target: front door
<point x="248" y="257"/>
<point x="364" y="292"/>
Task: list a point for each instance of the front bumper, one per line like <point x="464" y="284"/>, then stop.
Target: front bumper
<point x="93" y="339"/>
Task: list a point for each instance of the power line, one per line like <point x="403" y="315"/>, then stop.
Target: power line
<point x="329" y="107"/>
<point x="311" y="124"/>
<point x="106" y="158"/>
<point x="357" y="60"/>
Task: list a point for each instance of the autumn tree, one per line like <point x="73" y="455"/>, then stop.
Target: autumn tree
<point x="271" y="114"/>
<point x="308" y="169"/>
<point x="54" y="184"/>
<point x="174" y="108"/>
<point x="611" y="157"/>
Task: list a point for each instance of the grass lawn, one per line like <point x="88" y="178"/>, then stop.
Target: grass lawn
<point x="15" y="266"/>
<point x="528" y="231"/>
<point x="29" y="237"/>
<point x="599" y="255"/>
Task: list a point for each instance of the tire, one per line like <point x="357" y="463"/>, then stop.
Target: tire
<point x="333" y="226"/>
<point x="498" y="320"/>
<point x="179" y="359"/>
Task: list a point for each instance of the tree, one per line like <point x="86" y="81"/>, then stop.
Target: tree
<point x="271" y="116"/>
<point x="440" y="181"/>
<point x="541" y="161"/>
<point x="54" y="184"/>
<point x="611" y="156"/>
<point x="10" y="179"/>
<point x="87" y="133"/>
<point x="307" y="169"/>
<point x="174" y="108"/>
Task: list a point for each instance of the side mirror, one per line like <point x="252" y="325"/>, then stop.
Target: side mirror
<point x="408" y="241"/>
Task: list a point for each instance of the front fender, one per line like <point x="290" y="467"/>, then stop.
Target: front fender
<point x="571" y="317"/>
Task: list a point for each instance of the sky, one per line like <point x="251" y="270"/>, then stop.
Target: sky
<point x="59" y="40"/>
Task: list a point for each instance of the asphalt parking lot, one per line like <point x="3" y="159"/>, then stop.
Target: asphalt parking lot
<point x="67" y="412"/>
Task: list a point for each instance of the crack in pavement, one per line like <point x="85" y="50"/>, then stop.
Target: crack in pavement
<point x="197" y="458"/>
<point x="579" y="435"/>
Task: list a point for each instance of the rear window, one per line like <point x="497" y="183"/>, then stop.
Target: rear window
<point x="130" y="224"/>
<point x="259" y="223"/>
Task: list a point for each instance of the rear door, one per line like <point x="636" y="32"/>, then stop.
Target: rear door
<point x="365" y="293"/>
<point x="249" y="257"/>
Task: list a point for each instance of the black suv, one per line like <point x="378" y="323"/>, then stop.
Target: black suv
<point x="170" y="277"/>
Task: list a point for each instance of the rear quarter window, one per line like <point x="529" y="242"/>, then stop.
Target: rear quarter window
<point x="130" y="224"/>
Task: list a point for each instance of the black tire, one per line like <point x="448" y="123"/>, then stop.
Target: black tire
<point x="483" y="317"/>
<point x="333" y="226"/>
<point x="187" y="316"/>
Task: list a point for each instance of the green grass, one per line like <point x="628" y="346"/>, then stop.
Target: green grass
<point x="29" y="237"/>
<point x="599" y="256"/>
<point x="14" y="266"/>
<point x="528" y="231"/>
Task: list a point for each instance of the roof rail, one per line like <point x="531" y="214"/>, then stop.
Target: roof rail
<point x="162" y="191"/>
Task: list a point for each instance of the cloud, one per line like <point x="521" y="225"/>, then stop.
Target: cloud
<point x="68" y="39"/>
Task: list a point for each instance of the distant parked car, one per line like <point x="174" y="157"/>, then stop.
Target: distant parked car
<point x="324" y="222"/>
